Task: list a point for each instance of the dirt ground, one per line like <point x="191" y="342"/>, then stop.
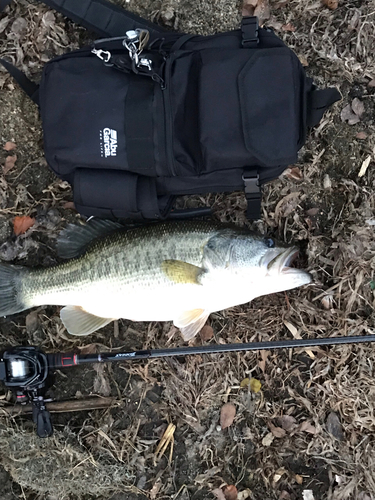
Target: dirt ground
<point x="309" y="433"/>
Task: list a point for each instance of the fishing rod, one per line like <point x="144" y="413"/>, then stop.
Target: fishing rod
<point x="26" y="370"/>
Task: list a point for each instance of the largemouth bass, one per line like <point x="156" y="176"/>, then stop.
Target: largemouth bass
<point x="176" y="271"/>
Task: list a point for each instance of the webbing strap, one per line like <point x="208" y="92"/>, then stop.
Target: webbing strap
<point x="249" y="29"/>
<point x="27" y="85"/>
<point x="253" y="194"/>
<point x="139" y="126"/>
<point x="100" y="16"/>
<point x="318" y="102"/>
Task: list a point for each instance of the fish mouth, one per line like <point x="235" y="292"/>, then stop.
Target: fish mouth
<point x="279" y="261"/>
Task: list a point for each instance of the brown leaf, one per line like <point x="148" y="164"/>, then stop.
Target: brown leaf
<point x="288" y="423"/>
<point x="262" y="11"/>
<point x="22" y="223"/>
<point x="361" y="135"/>
<point x="9" y="146"/>
<point x="358" y="107"/>
<point x="10" y="161"/>
<point x="331" y="4"/>
<point x="101" y="383"/>
<point x="348" y="115"/>
<point x="278" y="432"/>
<point x="288" y="27"/>
<point x="298" y="478"/>
<point x="32" y="322"/>
<point x="230" y="492"/>
<point x="248" y="7"/>
<point x="293" y="173"/>
<point x="371" y="84"/>
<point x="307" y="427"/>
<point x="334" y="427"/>
<point x="262" y="364"/>
<point x="227" y="414"/>
<point x="207" y="333"/>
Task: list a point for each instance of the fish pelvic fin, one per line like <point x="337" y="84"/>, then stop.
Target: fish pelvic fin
<point x="79" y="322"/>
<point x="182" y="272"/>
<point x="10" y="299"/>
<point x="191" y="322"/>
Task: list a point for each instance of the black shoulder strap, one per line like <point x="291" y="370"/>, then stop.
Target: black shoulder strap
<point x="100" y="16"/>
<point x="318" y="102"/>
<point x="31" y="88"/>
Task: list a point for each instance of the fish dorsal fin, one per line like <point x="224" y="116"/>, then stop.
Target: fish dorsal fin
<point x="191" y="322"/>
<point x="182" y="272"/>
<point x="79" y="322"/>
<point x="74" y="239"/>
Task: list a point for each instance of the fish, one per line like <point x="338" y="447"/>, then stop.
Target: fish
<point x="180" y="271"/>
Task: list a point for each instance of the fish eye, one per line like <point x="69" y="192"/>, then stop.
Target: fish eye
<point x="269" y="242"/>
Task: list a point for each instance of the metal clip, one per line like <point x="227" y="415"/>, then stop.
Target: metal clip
<point x="104" y="55"/>
<point x="135" y="42"/>
<point x="146" y="63"/>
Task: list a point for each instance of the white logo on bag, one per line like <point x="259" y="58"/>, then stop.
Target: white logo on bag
<point x="108" y="142"/>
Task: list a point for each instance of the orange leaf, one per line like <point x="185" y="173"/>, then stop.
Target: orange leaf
<point x="331" y="4"/>
<point x="228" y="412"/>
<point x="207" y="333"/>
<point x="9" y="163"/>
<point x="9" y="146"/>
<point x="22" y="223"/>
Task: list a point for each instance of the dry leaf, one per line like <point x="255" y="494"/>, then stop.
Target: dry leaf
<point x="9" y="146"/>
<point x="327" y="301"/>
<point x="22" y="223"/>
<point x="10" y="161"/>
<point x="288" y="423"/>
<point x="262" y="11"/>
<point x="230" y="492"/>
<point x="307" y="427"/>
<point x="227" y="414"/>
<point x="244" y="494"/>
<point x="331" y="4"/>
<point x="69" y="205"/>
<point x="293" y="330"/>
<point x="298" y="478"/>
<point x="312" y="211"/>
<point x="4" y="23"/>
<point x="278" y="432"/>
<point x="218" y="492"/>
<point x="361" y="135"/>
<point x="288" y="27"/>
<point x="334" y="427"/>
<point x="303" y="60"/>
<point x="371" y="84"/>
<point x="293" y="173"/>
<point x="255" y="385"/>
<point x="207" y="333"/>
<point x="364" y="166"/>
<point x="348" y="115"/>
<point x="32" y="322"/>
<point x="262" y="364"/>
<point x="308" y="495"/>
<point x="101" y="383"/>
<point x="268" y="439"/>
<point x="358" y="107"/>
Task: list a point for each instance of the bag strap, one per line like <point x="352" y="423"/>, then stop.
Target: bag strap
<point x="31" y="88"/>
<point x="318" y="101"/>
<point x="100" y="16"/>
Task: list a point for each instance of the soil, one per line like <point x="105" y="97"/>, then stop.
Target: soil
<point x="110" y="454"/>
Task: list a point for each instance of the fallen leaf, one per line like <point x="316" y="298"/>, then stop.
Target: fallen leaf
<point x="284" y="495"/>
<point x="248" y="7"/>
<point x="32" y="322"/>
<point x="334" y="427"/>
<point x="278" y="432"/>
<point x="361" y="135"/>
<point x="371" y="84"/>
<point x="245" y="383"/>
<point x="155" y="490"/>
<point x="230" y="492"/>
<point x="22" y="223"/>
<point x="331" y="4"/>
<point x="69" y="205"/>
<point x="218" y="492"/>
<point x="293" y="173"/>
<point x="10" y="161"/>
<point x="348" y="115"/>
<point x="262" y="364"/>
<point x="9" y="146"/>
<point x="288" y="423"/>
<point x="288" y="27"/>
<point x="227" y="414"/>
<point x="298" y="478"/>
<point x="268" y="439"/>
<point x="255" y="385"/>
<point x="244" y="494"/>
<point x="303" y="60"/>
<point x="312" y="211"/>
<point x="262" y="11"/>
<point x="358" y="107"/>
<point x="293" y="330"/>
<point x="19" y="27"/>
<point x="101" y="383"/>
<point x="327" y="183"/>
<point x="308" y="495"/>
<point x="4" y="23"/>
<point x="364" y="166"/>
<point x="207" y="333"/>
<point x="327" y="301"/>
<point x="307" y="427"/>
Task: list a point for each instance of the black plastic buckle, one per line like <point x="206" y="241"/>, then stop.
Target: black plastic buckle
<point x="253" y="195"/>
<point x="250" y="32"/>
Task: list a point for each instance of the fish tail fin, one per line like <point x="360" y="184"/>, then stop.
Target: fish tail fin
<point x="10" y="301"/>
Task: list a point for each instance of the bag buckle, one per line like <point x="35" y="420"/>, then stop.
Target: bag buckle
<point x="253" y="195"/>
<point x="250" y="31"/>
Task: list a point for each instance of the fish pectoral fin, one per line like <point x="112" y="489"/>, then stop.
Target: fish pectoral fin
<point x="79" y="322"/>
<point x="182" y="272"/>
<point x="191" y="322"/>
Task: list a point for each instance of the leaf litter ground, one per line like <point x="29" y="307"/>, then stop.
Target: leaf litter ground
<point x="309" y="431"/>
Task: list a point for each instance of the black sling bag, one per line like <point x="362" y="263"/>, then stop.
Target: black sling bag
<point x="144" y="114"/>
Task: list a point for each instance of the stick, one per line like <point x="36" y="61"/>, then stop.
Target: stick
<point x="63" y="406"/>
